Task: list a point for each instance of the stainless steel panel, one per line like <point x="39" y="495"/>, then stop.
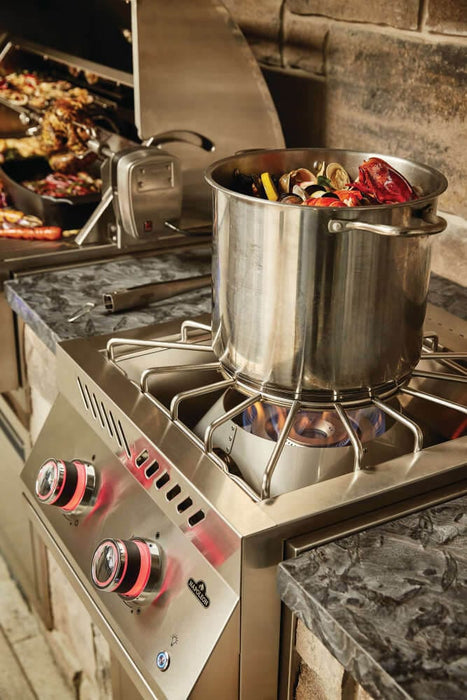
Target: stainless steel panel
<point x="124" y="509"/>
<point x="193" y="70"/>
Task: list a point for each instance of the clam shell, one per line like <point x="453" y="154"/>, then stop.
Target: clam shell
<point x="337" y="175"/>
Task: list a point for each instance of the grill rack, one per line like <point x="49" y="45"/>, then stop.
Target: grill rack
<point x="339" y="404"/>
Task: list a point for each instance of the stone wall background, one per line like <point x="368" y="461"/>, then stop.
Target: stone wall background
<point x="368" y="75"/>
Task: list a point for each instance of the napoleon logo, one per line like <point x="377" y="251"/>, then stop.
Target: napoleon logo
<point x="199" y="589"/>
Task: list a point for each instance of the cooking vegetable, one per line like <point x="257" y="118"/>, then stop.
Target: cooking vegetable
<point x="39" y="233"/>
<point x="269" y="187"/>
<point x="64" y="185"/>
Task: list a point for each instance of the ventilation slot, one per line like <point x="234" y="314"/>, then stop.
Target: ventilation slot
<point x="83" y="395"/>
<point x="117" y="434"/>
<point x="152" y="469"/>
<point x="162" y="480"/>
<point x="88" y="396"/>
<point x="184" y="505"/>
<point x="127" y="449"/>
<point x="107" y="422"/>
<point x="174" y="491"/>
<point x="96" y="402"/>
<point x="104" y="416"/>
<point x="196" y="518"/>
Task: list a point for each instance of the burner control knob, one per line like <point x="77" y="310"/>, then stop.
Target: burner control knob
<point x="69" y="485"/>
<point x="132" y="568"/>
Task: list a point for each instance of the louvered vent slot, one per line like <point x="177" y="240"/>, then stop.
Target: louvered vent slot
<point x="103" y="416"/>
<point x="127" y="449"/>
<point x="83" y="395"/>
<point x="107" y="422"/>
<point x="116" y="433"/>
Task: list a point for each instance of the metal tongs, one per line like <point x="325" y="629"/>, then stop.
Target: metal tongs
<point x="143" y="294"/>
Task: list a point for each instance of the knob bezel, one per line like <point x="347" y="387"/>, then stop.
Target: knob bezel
<point x="136" y="573"/>
<point x="73" y="487"/>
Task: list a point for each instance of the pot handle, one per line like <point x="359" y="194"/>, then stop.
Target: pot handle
<point x="435" y="224"/>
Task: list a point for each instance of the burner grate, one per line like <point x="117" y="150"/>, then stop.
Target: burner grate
<point x="339" y="403"/>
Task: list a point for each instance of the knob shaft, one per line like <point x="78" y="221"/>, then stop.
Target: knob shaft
<point x="70" y="486"/>
<point x="132" y="568"/>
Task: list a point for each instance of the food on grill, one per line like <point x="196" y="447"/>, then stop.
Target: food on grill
<point x="39" y="93"/>
<point x="64" y="185"/>
<point x="331" y="186"/>
<point x="22" y="147"/>
<point x="38" y="233"/>
<point x="16" y="224"/>
<point x="66" y="126"/>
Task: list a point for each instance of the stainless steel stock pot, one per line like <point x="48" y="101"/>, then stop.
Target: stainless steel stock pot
<point x="317" y="302"/>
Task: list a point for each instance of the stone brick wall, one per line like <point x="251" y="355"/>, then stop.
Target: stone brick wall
<point x="376" y="76"/>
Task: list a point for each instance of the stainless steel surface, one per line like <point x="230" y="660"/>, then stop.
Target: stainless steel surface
<point x="133" y="297"/>
<point x="302" y="312"/>
<point x="147" y="513"/>
<point x="429" y="226"/>
<point x="49" y="53"/>
<point x="160" y="482"/>
<point x="221" y="93"/>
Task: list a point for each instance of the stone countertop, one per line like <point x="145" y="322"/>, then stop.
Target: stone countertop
<point x="390" y="603"/>
<point x="45" y="300"/>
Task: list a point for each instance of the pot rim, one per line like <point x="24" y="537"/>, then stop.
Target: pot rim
<point x="425" y="199"/>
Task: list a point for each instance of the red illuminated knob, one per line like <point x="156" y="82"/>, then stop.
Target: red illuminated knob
<point x="131" y="568"/>
<point x="69" y="485"/>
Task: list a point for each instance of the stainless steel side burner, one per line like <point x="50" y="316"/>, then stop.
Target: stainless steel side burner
<point x="340" y="404"/>
<point x="204" y="544"/>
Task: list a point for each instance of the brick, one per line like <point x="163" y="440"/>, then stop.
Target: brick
<point x="390" y="94"/>
<point x="447" y="17"/>
<point x="304" y="43"/>
<point x="402" y="14"/>
<point x="327" y="673"/>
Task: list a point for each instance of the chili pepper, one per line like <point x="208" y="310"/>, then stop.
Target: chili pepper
<point x="39" y="233"/>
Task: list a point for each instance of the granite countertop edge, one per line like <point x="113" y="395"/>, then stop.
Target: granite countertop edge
<point x="390" y="602"/>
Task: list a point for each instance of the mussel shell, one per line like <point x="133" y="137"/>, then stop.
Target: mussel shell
<point x="290" y="199"/>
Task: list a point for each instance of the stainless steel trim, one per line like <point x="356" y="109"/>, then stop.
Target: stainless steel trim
<point x="276" y="453"/>
<point x="435" y="399"/>
<point x="354" y="439"/>
<point x="145" y="376"/>
<point x="435" y="225"/>
<point x="439" y="375"/>
<point x="183" y="395"/>
<point x="410" y="424"/>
